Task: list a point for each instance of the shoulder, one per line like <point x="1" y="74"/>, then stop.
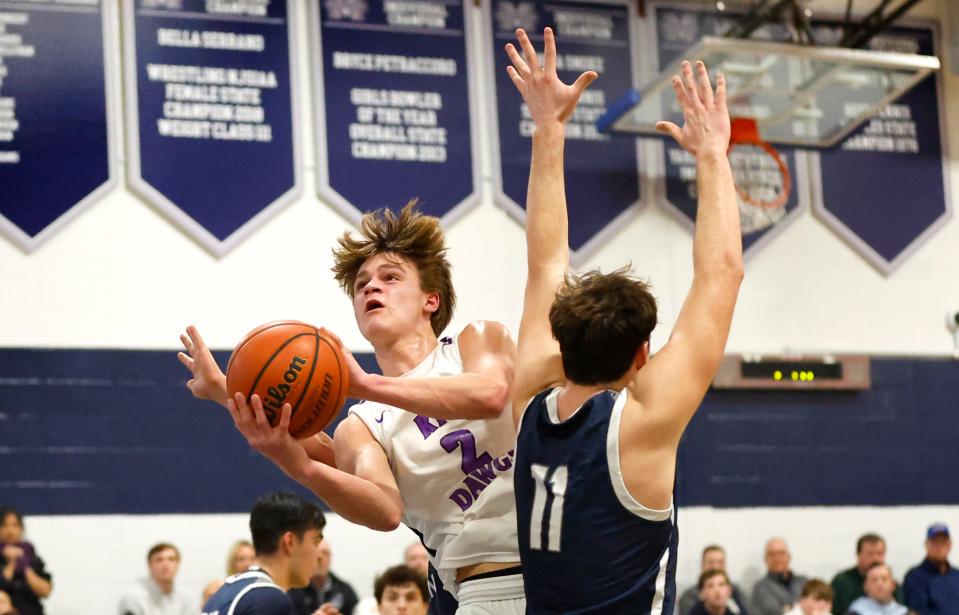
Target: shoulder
<point x="263" y="599"/>
<point x="483" y="333"/>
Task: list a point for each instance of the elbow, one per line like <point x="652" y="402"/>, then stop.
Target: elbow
<point x="389" y="522"/>
<point x="495" y="401"/>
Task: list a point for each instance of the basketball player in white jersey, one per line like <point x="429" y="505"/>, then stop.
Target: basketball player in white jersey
<point x="599" y="421"/>
<point x="431" y="446"/>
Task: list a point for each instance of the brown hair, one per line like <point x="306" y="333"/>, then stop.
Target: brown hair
<point x="820" y="590"/>
<point x="600" y="321"/>
<point x="869" y="539"/>
<point x="397" y="576"/>
<point x="411" y="235"/>
<point x="715" y="572"/>
<point x="162" y="546"/>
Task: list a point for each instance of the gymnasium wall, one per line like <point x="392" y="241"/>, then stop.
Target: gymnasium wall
<point x="98" y="308"/>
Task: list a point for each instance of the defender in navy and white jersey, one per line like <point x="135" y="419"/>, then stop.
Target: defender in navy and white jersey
<point x="287" y="531"/>
<point x="599" y="420"/>
<point x="579" y="528"/>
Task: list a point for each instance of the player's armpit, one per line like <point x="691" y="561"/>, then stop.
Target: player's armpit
<point x="672" y="385"/>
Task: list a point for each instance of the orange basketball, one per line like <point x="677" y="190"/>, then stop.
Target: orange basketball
<point x="291" y="362"/>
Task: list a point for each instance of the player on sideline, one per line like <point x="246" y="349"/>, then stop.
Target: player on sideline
<point x="596" y="449"/>
<point x="431" y="446"/>
<point x="287" y="531"/>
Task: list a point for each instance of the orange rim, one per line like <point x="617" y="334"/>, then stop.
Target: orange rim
<point x="746" y="132"/>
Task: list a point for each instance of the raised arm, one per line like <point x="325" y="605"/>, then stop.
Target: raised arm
<point x="551" y="103"/>
<point x="480" y="392"/>
<point x="366" y="493"/>
<point x="673" y="383"/>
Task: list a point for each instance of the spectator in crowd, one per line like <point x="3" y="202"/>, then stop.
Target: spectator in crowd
<point x="715" y="592"/>
<point x="401" y="590"/>
<point x="6" y="604"/>
<point x="714" y="558"/>
<point x="156" y="594"/>
<point x="417" y="558"/>
<point x="879" y="598"/>
<point x="239" y="558"/>
<point x="23" y="575"/>
<point x="327" y="593"/>
<point x="848" y="584"/>
<point x="287" y="532"/>
<point x="780" y="589"/>
<point x="932" y="587"/>
<point x="815" y="599"/>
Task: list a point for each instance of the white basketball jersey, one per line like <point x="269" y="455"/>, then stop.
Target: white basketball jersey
<point x="455" y="477"/>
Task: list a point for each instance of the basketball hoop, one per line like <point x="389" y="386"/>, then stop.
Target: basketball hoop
<point x="761" y="175"/>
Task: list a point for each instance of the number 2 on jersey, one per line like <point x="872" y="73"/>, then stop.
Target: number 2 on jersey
<point x="550" y="484"/>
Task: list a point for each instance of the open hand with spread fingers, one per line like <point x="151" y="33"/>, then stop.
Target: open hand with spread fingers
<point x="548" y="98"/>
<point x="208" y="382"/>
<point x="706" y="125"/>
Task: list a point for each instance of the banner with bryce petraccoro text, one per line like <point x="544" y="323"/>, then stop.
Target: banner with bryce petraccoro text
<point x="56" y="113"/>
<point x="211" y="113"/>
<point x="395" y="115"/>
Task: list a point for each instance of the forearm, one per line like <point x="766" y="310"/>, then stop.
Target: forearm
<point x="717" y="244"/>
<point x="355" y="499"/>
<point x="8" y="571"/>
<point x="38" y="585"/>
<point x="463" y="396"/>
<point x="547" y="225"/>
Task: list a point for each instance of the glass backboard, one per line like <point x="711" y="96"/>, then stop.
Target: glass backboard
<point x="799" y="95"/>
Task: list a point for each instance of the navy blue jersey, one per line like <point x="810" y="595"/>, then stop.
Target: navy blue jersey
<point x="249" y="593"/>
<point x="586" y="545"/>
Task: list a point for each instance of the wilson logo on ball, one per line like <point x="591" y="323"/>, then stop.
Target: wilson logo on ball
<point x="276" y="395"/>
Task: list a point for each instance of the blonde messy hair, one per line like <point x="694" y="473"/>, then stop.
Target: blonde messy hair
<point x="411" y="235"/>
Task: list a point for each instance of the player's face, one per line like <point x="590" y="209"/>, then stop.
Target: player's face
<point x="388" y="300"/>
<point x="10" y="529"/>
<point x="402" y="600"/>
<point x="164" y="565"/>
<point x="879" y="585"/>
<point x="243" y="559"/>
<point x="303" y="557"/>
<point x="715" y="592"/>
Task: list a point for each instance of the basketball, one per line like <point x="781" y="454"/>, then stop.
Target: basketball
<point x="291" y="362"/>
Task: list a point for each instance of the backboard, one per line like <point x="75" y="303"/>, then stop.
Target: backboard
<point x="799" y="95"/>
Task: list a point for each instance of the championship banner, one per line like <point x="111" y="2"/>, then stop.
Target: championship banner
<point x="677" y="30"/>
<point x="56" y="138"/>
<point x="211" y="113"/>
<point x="602" y="171"/>
<point x="903" y="200"/>
<point x="395" y="115"/>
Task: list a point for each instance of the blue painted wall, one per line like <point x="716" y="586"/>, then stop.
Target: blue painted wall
<point x="111" y="431"/>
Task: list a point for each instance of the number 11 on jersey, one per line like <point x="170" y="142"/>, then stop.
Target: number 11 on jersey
<point x="550" y="495"/>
